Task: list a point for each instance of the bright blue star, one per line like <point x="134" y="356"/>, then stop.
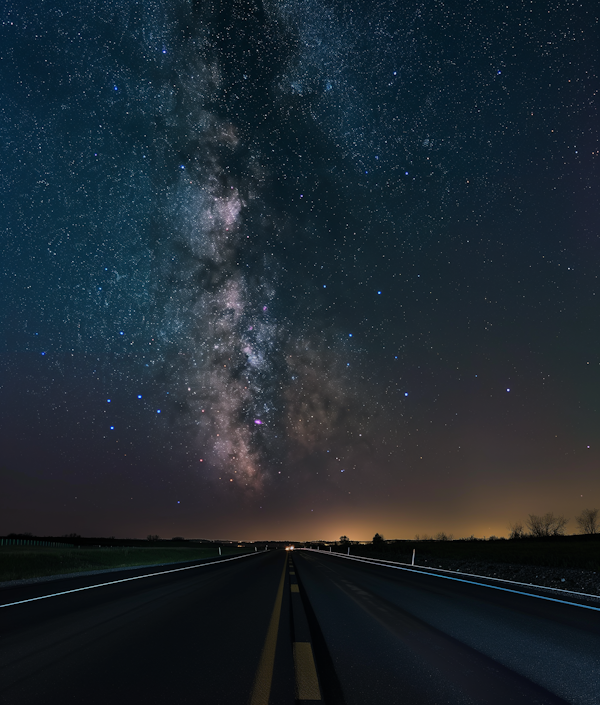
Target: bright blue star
<point x="139" y="396"/>
<point x="379" y="293"/>
<point x="406" y="173"/>
<point x="116" y="88"/>
<point x="158" y="411"/>
<point x="508" y="389"/>
<point x="112" y="428"/>
<point x="108" y="400"/>
<point x="121" y="332"/>
<point x="349" y="335"/>
<point x="405" y="394"/>
<point x="43" y="353"/>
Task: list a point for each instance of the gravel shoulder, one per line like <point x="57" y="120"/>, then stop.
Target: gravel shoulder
<point x="582" y="581"/>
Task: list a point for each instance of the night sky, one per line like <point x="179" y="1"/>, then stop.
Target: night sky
<point x="298" y="268"/>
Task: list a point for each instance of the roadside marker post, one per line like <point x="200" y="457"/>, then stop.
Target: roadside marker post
<point x="219" y="550"/>
<point x="413" y="558"/>
<point x="348" y="550"/>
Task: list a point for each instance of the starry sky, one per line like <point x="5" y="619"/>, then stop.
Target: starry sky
<point x="298" y="268"/>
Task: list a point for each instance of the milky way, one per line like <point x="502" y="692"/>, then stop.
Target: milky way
<point x="251" y="386"/>
<point x="292" y="254"/>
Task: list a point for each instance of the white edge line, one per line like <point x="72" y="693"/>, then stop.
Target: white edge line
<point x="125" y="580"/>
<point x="461" y="580"/>
<point x="472" y="575"/>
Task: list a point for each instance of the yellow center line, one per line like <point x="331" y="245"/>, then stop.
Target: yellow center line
<point x="264" y="676"/>
<point x="307" y="683"/>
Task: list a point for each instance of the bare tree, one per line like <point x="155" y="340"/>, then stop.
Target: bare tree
<point x="344" y="540"/>
<point x="378" y="540"/>
<point x="535" y="525"/>
<point x="443" y="536"/>
<point x="588" y="522"/>
<point x="546" y="525"/>
<point x="516" y="530"/>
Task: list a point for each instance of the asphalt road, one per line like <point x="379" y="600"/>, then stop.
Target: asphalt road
<point x="394" y="636"/>
<point x="192" y="636"/>
<point x="379" y="636"/>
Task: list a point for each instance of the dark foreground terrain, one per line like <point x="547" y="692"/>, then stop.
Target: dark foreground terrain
<point x="283" y="627"/>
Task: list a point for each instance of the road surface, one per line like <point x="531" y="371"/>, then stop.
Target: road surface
<point x="281" y="628"/>
<point x="397" y="636"/>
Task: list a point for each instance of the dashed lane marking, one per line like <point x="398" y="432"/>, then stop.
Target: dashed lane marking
<point x="307" y="683"/>
<point x="294" y="587"/>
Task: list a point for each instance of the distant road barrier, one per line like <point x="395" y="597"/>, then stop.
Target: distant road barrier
<point x="34" y="542"/>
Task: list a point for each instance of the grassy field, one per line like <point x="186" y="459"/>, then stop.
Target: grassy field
<point x="577" y="552"/>
<point x="19" y="562"/>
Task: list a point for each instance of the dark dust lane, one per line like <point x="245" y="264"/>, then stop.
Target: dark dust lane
<point x="401" y="637"/>
<point x="193" y="636"/>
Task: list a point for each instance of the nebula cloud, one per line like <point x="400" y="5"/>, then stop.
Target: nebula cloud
<point x="249" y="385"/>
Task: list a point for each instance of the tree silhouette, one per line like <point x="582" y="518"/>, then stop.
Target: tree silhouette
<point x="546" y="525"/>
<point x="588" y="521"/>
<point x="516" y="530"/>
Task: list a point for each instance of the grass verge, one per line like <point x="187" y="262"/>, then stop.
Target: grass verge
<point x="22" y="562"/>
<point x="563" y="552"/>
